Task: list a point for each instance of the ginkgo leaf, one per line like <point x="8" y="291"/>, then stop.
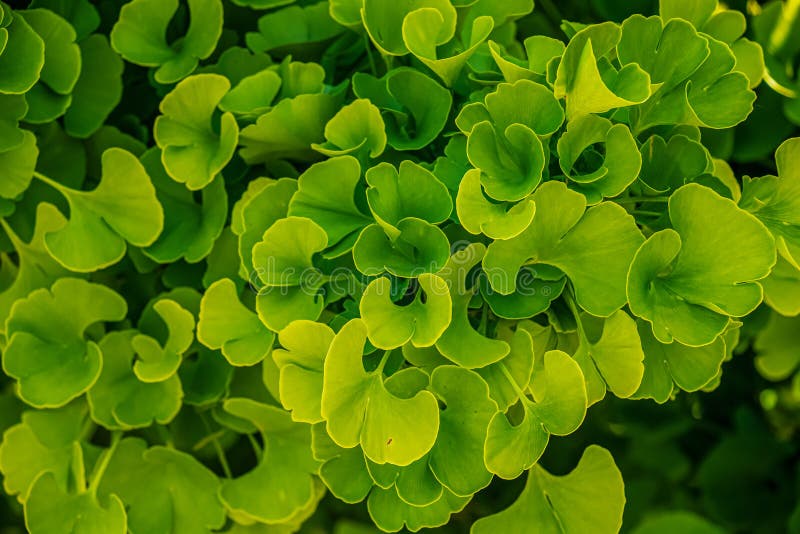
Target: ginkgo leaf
<point x="359" y="409"/>
<point x="610" y="355"/>
<point x="690" y="280"/>
<point x="601" y="159"/>
<point x="288" y="130"/>
<point x="512" y="446"/>
<point x="589" y="82"/>
<point x="36" y="268"/>
<point x="479" y="215"/>
<point x="193" y="148"/>
<point x="326" y="194"/>
<point x="119" y="399"/>
<point x="43" y="442"/>
<point x="13" y="109"/>
<point x="226" y="324"/>
<point x="98" y="89"/>
<point x="506" y="145"/>
<point x="385" y="22"/>
<point x="774" y="201"/>
<point x="281" y="484"/>
<point x="415" y="107"/>
<point x="590" y="498"/>
<point x="565" y="235"/>
<point x="344" y="471"/>
<point x="357" y="128"/>
<point x="259" y="211"/>
<point x="51" y="510"/>
<point x="671" y="365"/>
<point x="19" y="163"/>
<point x="159" y="359"/>
<point x="122" y="208"/>
<point x="190" y="228"/>
<point x="422" y="31"/>
<point x="293" y="28"/>
<point x="167" y="491"/>
<point x="461" y="343"/>
<point x="139" y="36"/>
<point x="421" y="322"/>
<point x="456" y="459"/>
<point x="47" y="352"/>
<point x="700" y="88"/>
<point x="289" y="282"/>
<point x="301" y="364"/>
<point x="391" y="514"/>
<point x="21" y="56"/>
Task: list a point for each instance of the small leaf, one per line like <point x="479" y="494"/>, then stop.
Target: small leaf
<point x="301" y="364"/>
<point x="119" y="400"/>
<point x="688" y="282"/>
<point x="586" y="87"/>
<point x="421" y="322"/>
<point x="159" y="359"/>
<point x="225" y="323"/>
<point x="591" y="498"/>
<point x="163" y="489"/>
<point x="193" y="149"/>
<point x="43" y="442"/>
<point x="139" y="36"/>
<point x="559" y="407"/>
<point x="282" y="483"/>
<point x="326" y="194"/>
<point x="593" y="248"/>
<point x="49" y="510"/>
<point x="98" y="89"/>
<point x="122" y="208"/>
<point x="357" y="128"/>
<point x="47" y="352"/>
<point x="360" y="410"/>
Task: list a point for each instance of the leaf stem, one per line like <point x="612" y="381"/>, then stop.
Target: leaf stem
<point x="102" y="465"/>
<point x="642" y="200"/>
<point x="646" y="213"/>
<point x="256" y="447"/>
<point x="368" y="47"/>
<point x="212" y="438"/>
<point x="569" y="298"/>
<point x="384" y="359"/>
<point x="49" y="181"/>
<point x="512" y="380"/>
<point x="482" y="326"/>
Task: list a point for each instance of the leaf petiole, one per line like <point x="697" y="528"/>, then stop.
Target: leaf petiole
<point x="102" y="465"/>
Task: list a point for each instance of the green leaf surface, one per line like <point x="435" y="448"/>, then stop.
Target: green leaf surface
<point x="558" y="408"/>
<point x="301" y="363"/>
<point x="163" y="489"/>
<point x="590" y="498"/>
<point x="122" y="208"/>
<point x="119" y="399"/>
<point x="565" y="235"/>
<point x="281" y="484"/>
<point x="51" y="359"/>
<point x="139" y="36"/>
<point x="194" y="149"/>
<point x="227" y="324"/>
<point x="359" y="409"/>
<point x="690" y="280"/>
<point x="421" y="322"/>
<point x="50" y="510"/>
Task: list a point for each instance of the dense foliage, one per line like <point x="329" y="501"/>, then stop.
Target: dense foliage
<point x="274" y="266"/>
